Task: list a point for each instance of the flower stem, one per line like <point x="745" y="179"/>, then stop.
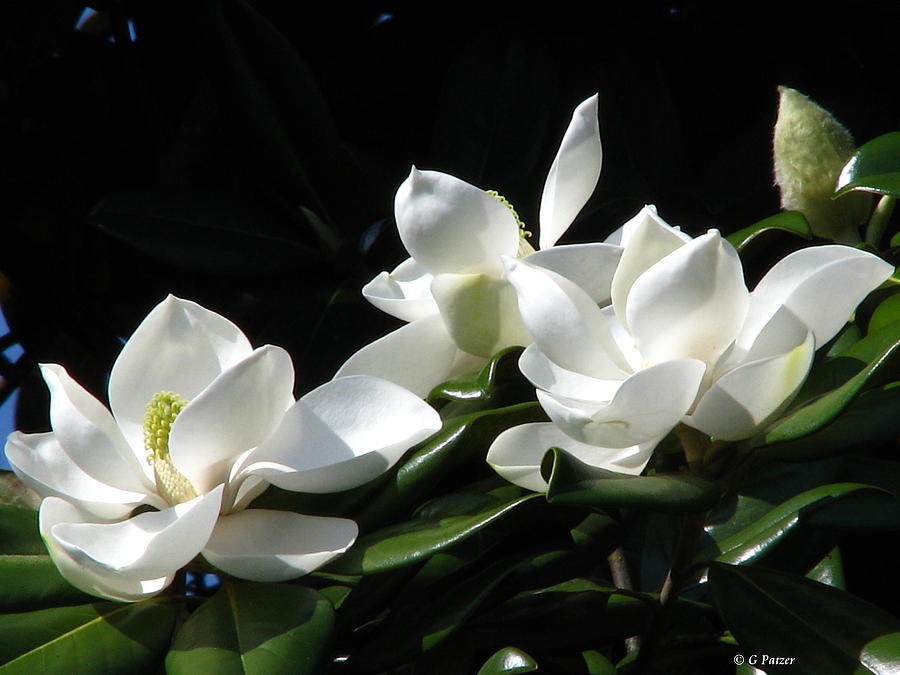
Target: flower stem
<point x="879" y="220"/>
<point x="621" y="578"/>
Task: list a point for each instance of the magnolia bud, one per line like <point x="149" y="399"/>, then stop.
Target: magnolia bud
<point x="811" y="147"/>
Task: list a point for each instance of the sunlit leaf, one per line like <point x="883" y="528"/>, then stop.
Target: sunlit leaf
<point x="13" y="492"/>
<point x="792" y="222"/>
<point x="874" y="167"/>
<point x="253" y="628"/>
<point x="508" y="660"/>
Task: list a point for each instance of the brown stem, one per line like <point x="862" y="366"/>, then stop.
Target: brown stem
<point x="621" y="578"/>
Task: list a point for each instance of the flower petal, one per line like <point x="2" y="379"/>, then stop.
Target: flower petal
<point x="589" y="266"/>
<point x="45" y="466"/>
<point x="448" y="225"/>
<point x="109" y="585"/>
<point x="263" y="545"/>
<point x="646" y="239"/>
<point x="646" y="406"/>
<point x="821" y="285"/>
<point x="418" y="356"/>
<point x="180" y="347"/>
<point x="746" y="399"/>
<point x="517" y="453"/>
<point x="691" y="304"/>
<point x="90" y="435"/>
<point x="238" y="411"/>
<point x="544" y="374"/>
<point x="147" y="546"/>
<point x="573" y="174"/>
<point x="404" y="293"/>
<point x="341" y="435"/>
<point x="480" y="312"/>
<point x="565" y="323"/>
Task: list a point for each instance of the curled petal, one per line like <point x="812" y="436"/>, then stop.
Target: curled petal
<point x="480" y="312"/>
<point x="646" y="406"/>
<point x="448" y="225"/>
<point x="47" y="468"/>
<point x="646" y="240"/>
<point x="746" y="399"/>
<point x="573" y="174"/>
<point x="147" y="546"/>
<point x="341" y="435"/>
<point x="589" y="266"/>
<point x="821" y="285"/>
<point x="239" y="410"/>
<point x="263" y="545"/>
<point x="180" y="347"/>
<point x="565" y="322"/>
<point x="691" y="304"/>
<point x="404" y="293"/>
<point x="55" y="512"/>
<point x="517" y="453"/>
<point x="544" y="374"/>
<point x="418" y="356"/>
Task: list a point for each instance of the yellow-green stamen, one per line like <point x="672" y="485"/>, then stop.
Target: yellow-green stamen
<point x="159" y="416"/>
<point x="524" y="247"/>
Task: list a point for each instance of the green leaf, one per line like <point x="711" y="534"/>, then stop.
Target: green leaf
<point x="787" y="221"/>
<point x="874" y="351"/>
<point x="830" y="570"/>
<point x="574" y="483"/>
<point x="824" y="629"/>
<point x="103" y="637"/>
<point x="406" y="543"/>
<point x="887" y="312"/>
<point x="498" y="383"/>
<point x="874" y="167"/>
<point x="13" y="492"/>
<point x="249" y="628"/>
<point x="755" y="541"/>
<point x="19" y="532"/>
<point x="29" y="582"/>
<point x="508" y="660"/>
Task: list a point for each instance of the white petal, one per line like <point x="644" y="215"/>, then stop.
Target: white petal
<point x="418" y="356"/>
<point x="647" y="406"/>
<point x="691" y="304"/>
<point x="573" y="174"/>
<point x="262" y="545"/>
<point x="565" y="323"/>
<point x="108" y="585"/>
<point x="91" y="436"/>
<point x="238" y="411"/>
<point x="746" y="399"/>
<point x="45" y="466"/>
<point x="448" y="225"/>
<point x="545" y="374"/>
<point x="404" y="293"/>
<point x="646" y="239"/>
<point x="179" y="347"/>
<point x="822" y="285"/>
<point x="517" y="453"/>
<point x="589" y="266"/>
<point x="783" y="332"/>
<point x="480" y="312"/>
<point x="341" y="435"/>
<point x="147" y="546"/>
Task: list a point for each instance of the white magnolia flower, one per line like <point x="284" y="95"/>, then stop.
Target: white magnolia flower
<point x="452" y="291"/>
<point x="202" y="423"/>
<point x="683" y="341"/>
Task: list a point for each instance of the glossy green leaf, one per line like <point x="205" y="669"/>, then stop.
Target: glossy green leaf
<point x="830" y="570"/>
<point x="787" y="221"/>
<point x="406" y="543"/>
<point x="887" y="312"/>
<point x="253" y="628"/>
<point x="13" y="492"/>
<point x="574" y="483"/>
<point x="874" y="167"/>
<point x="755" y="541"/>
<point x="95" y="639"/>
<point x="824" y="629"/>
<point x="19" y="532"/>
<point x="497" y="384"/>
<point x="875" y="351"/>
<point x="508" y="660"/>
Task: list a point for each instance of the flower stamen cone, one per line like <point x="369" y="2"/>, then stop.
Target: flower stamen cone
<point x="159" y="416"/>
